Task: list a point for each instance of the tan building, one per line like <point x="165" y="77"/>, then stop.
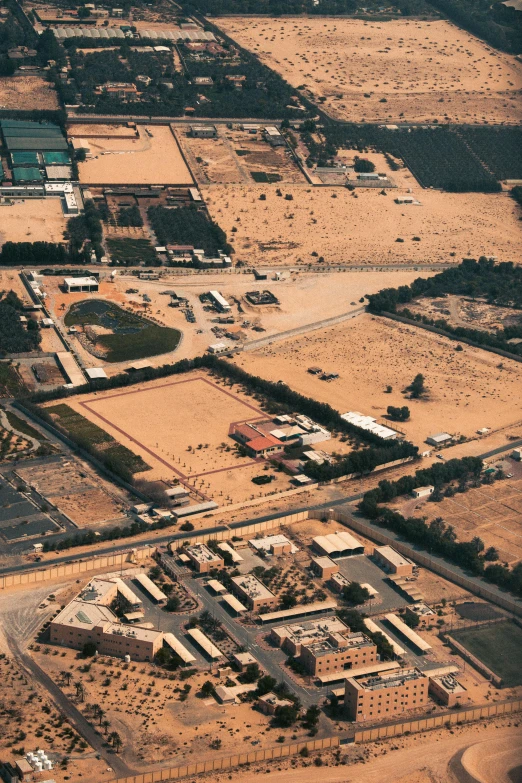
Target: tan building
<point x="324" y="567"/>
<point x="203" y="559"/>
<point x="269" y="703"/>
<point x="382" y="696"/>
<point x="339" y="651"/>
<point x="253" y="592"/>
<point x="392" y="562"/>
<point x="338" y="581"/>
<point x="81" y="622"/>
<point x="447" y="690"/>
<point x="291" y="638"/>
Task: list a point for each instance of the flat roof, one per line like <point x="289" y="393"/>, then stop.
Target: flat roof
<point x="198" y="508"/>
<point x="269" y="541"/>
<point x="216" y="586"/>
<point x="234" y="604"/>
<point x="374" y="628"/>
<point x="95" y="372"/>
<point x="74" y="281"/>
<point x="406" y="631"/>
<point x="324" y="562"/>
<point x="360" y="672"/>
<point x="202" y="554"/>
<point x="252" y="586"/>
<point x="179" y="648"/>
<point x="392" y="555"/>
<point x="219" y="298"/>
<point x="236" y="557"/>
<point x="447" y="682"/>
<point x="387" y="680"/>
<point x="127" y="593"/>
<point x="84" y="614"/>
<point x="70" y="368"/>
<point x="204" y="642"/>
<point x="296" y="611"/>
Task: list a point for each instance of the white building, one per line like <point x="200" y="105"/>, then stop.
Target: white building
<point x="369" y="424"/>
<point x="80" y="284"/>
<point x="423" y="492"/>
<point x="440" y="439"/>
<point x="219" y="301"/>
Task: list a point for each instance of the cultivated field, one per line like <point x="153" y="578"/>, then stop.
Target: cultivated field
<point x="152" y="159"/>
<point x="239" y="157"/>
<point x="467" y="389"/>
<point x="398" y="70"/>
<point x="492" y="512"/>
<point x="363" y="227"/>
<point x="27" y="93"/>
<point x="34" y="220"/>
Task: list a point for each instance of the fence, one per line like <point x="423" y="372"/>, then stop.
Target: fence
<point x="433" y="564"/>
<point x="437" y="721"/>
<point x="116" y="560"/>
<point x="477" y="664"/>
<point x="219" y="764"/>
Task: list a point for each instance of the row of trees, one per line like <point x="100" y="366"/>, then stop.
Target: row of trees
<point x="188" y="226"/>
<point x="13" y="337"/>
<point x="34" y="254"/>
<point x="438" y="537"/>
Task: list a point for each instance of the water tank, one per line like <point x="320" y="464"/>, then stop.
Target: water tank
<point x="127" y="659"/>
<point x="37" y="766"/>
<point x="47" y="764"/>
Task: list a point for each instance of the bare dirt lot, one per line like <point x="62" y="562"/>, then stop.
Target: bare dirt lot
<point x="34" y="220"/>
<point x="467" y="389"/>
<point x="363" y="227"/>
<point x="466" y="312"/>
<point x="236" y="156"/>
<point x="27" y="93"/>
<point x="383" y="71"/>
<point x="152" y="159"/>
<point x="494" y="513"/>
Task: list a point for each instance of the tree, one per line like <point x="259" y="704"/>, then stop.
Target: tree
<point x="491" y="553"/>
<point x="66" y="676"/>
<point x="355" y="594"/>
<point x="89" y="649"/>
<point x="251" y="673"/>
<point x="207" y="689"/>
<point x="416" y="387"/>
<point x="173" y="604"/>
<point x="311" y="717"/>
<point x="411" y="619"/>
<point x="288" y="600"/>
<point x="285" y="716"/>
<point x="163" y="656"/>
<point x="363" y="165"/>
<point x="115" y="740"/>
<point x="80" y="690"/>
<point x="265" y="685"/>
<point x="105" y="725"/>
<point x="398" y="414"/>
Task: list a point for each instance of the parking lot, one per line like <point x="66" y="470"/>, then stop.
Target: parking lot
<point x="19" y="518"/>
<point x="360" y="568"/>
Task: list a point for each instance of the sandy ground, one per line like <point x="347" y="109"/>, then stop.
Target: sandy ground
<point x="149" y="160"/>
<point x="87" y="131"/>
<point x="494" y="513"/>
<point x="408" y="70"/>
<point x="34" y="220"/>
<point x="467" y="389"/>
<point x="27" y="93"/>
<point x="362" y="227"/>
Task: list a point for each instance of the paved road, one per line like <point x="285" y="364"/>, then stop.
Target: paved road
<point x="74" y="716"/>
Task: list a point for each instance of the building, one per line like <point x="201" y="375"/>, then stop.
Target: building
<point x="340" y="544"/>
<point x="301" y="610"/>
<point x="219" y="302"/>
<point x="217" y="348"/>
<point x="392" y="562"/>
<point x="122" y="90"/>
<point x="274" y="545"/>
<point x="244" y="659"/>
<point x="441" y="439"/>
<point x="324" y="567"/>
<point x="273" y="136"/>
<point x="291" y="638"/>
<point x="269" y="703"/>
<point x="447" y="690"/>
<point x="153" y="590"/>
<point x="423" y="492"/>
<point x="382" y="696"/>
<point x="262" y="446"/>
<point x="203" y="131"/>
<point x="369" y="423"/>
<point x="203" y="559"/>
<point x="224" y="695"/>
<point x="340" y="650"/>
<point x="404" y="631"/>
<point x="516" y="454"/>
<point x="79" y="284"/>
<point x="338" y="582"/>
<point x="253" y="592"/>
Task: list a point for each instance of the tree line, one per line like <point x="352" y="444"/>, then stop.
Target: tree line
<point x="436" y="536"/>
<point x="14" y="338"/>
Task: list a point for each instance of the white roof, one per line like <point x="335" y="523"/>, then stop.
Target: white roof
<point x="95" y="372"/>
<point x="440" y="437"/>
<point x="150" y="587"/>
<point x="216" y="586"/>
<point x="371" y="626"/>
<point x="392" y="555"/>
<point x="179" y="648"/>
<point x="298" y="610"/>
<point x="73" y="281"/>
<point x="337" y="542"/>
<point x="232" y="601"/>
<point x="204" y="642"/>
<point x="221" y="299"/>
<point x="406" y="631"/>
<point x="268" y="541"/>
<point x="236" y="557"/>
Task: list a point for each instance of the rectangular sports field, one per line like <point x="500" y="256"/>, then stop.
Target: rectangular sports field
<point x="498" y="646"/>
<point x="179" y="426"/>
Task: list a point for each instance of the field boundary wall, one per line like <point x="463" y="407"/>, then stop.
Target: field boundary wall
<point x="215" y="765"/>
<point x="480" y="589"/>
<point x="488" y="673"/>
<point x="438" y="721"/>
<point x="436" y="330"/>
<point x="117" y="560"/>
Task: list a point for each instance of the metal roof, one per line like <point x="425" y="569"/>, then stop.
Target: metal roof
<point x="179" y="648"/>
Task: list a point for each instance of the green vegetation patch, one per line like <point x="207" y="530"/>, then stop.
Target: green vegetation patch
<point x="188" y="226"/>
<point x="132" y="252"/>
<point x="133" y="337"/>
<point x="263" y="177"/>
<point x="83" y="431"/>
<point x="22" y="426"/>
<point x="498" y="646"/>
<point x="11" y="384"/>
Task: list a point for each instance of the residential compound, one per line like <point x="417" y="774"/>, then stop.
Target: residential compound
<point x="262" y="438"/>
<point x="381" y="696"/>
<point x="325" y="646"/>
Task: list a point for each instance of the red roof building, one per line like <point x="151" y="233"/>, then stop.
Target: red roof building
<point x="263" y="445"/>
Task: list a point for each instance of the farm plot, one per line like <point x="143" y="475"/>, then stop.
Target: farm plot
<point x="498" y="646"/>
<point x="34" y="220"/>
<point x="387" y="71"/>
<point x="27" y="93"/>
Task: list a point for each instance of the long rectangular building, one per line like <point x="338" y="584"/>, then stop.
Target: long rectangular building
<point x="374" y="628"/>
<point x="205" y="643"/>
<point x="303" y="610"/>
<point x="179" y="648"/>
<point x="404" y="630"/>
<point x="392" y="561"/>
<point x="340" y="544"/>
<point x="153" y="590"/>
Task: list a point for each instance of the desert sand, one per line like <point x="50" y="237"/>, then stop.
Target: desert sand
<point x="383" y="71"/>
<point x="362" y="227"/>
<point x="148" y="160"/>
<point x="467" y="389"/>
<point x="34" y="220"/>
<point x="27" y="93"/>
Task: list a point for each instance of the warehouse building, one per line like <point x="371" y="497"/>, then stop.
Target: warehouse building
<point x="382" y="696"/>
<point x="203" y="559"/>
<point x="253" y="592"/>
<point x="219" y="302"/>
<point x="273" y="136"/>
<point x="369" y="423"/>
<point x="274" y="545"/>
<point x="340" y="544"/>
<point x="440" y="439"/>
<point x="203" y="131"/>
<point x="392" y="562"/>
<point x="24" y="175"/>
<point x="403" y="630"/>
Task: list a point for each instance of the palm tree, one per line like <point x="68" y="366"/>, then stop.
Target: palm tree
<point x="116" y="740"/>
<point x="80" y="690"/>
<point x="66" y="676"/>
<point x="105" y="724"/>
<point x="101" y="713"/>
